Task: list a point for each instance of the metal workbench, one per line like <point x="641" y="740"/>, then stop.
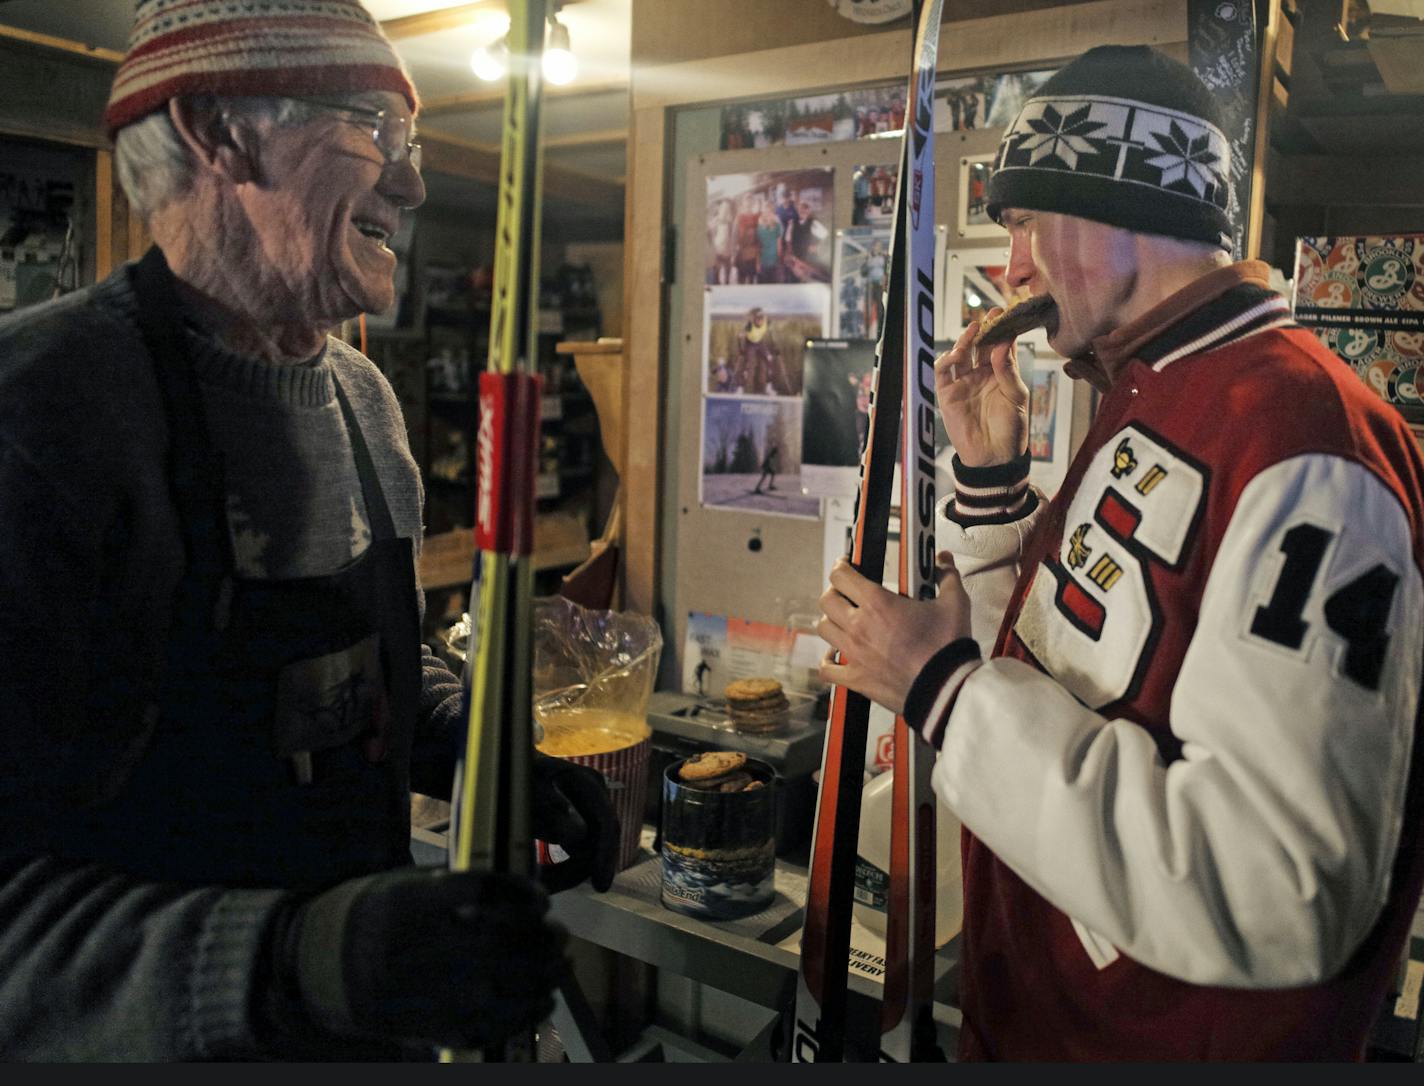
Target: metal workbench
<point x="745" y="957"/>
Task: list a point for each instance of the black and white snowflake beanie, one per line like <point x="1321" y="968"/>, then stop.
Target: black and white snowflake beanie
<point x="1123" y="135"/>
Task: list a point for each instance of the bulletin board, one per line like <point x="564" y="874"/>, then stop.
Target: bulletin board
<point x="742" y="549"/>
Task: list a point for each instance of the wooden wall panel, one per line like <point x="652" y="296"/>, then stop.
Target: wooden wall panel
<point x="103" y="214"/>
<point x="643" y="331"/>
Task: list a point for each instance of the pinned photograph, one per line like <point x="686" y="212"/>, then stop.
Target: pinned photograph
<point x="962" y="105"/>
<point x="1050" y="413"/>
<point x="751" y="457"/>
<point x="983" y="101"/>
<point x="1042" y="400"/>
<point x="756" y="124"/>
<point x="771" y="227"/>
<point x="835" y="417"/>
<point x="974" y="220"/>
<point x="873" y="192"/>
<point x="973" y="284"/>
<point x="858" y="114"/>
<point x="755" y="340"/>
<point x="862" y="262"/>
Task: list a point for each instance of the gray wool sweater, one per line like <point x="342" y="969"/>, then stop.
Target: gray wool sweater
<point x="95" y="964"/>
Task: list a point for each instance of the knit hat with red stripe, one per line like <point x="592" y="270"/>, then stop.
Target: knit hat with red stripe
<point x="282" y="48"/>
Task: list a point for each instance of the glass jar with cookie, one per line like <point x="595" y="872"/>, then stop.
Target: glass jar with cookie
<point x="718" y="835"/>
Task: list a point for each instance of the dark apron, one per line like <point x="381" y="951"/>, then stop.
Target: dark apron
<point x="281" y="755"/>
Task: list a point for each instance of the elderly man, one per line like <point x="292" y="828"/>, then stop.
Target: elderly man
<point x="1189" y="772"/>
<point x="215" y="700"/>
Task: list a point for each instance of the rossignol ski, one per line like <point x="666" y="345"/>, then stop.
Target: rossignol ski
<point x="819" y="1020"/>
<point x="491" y="819"/>
<point x="906" y="1024"/>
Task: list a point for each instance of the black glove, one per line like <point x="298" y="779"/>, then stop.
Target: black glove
<point x="417" y="955"/>
<point x="572" y="809"/>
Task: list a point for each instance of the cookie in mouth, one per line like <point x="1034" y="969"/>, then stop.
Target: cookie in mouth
<point x="1040" y="311"/>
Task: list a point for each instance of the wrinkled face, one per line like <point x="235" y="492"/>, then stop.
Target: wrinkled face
<point x="324" y="206"/>
<point x="1088" y="268"/>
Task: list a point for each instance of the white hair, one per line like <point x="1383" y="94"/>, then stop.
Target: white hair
<point x="155" y="166"/>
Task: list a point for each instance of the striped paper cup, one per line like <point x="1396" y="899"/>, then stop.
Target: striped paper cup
<point x="626" y="771"/>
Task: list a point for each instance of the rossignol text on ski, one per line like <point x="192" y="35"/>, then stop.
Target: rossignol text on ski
<point x="904" y="361"/>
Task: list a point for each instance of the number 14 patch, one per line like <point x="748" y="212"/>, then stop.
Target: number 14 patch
<point x="1357" y="610"/>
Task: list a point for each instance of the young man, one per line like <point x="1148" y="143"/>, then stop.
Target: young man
<point x="215" y="700"/>
<point x="1187" y="771"/>
<point x="759" y="369"/>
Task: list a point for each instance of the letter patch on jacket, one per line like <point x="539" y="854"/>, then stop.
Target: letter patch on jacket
<point x="1090" y="615"/>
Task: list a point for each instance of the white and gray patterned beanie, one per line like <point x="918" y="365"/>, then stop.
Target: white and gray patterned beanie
<point x="1123" y="135"/>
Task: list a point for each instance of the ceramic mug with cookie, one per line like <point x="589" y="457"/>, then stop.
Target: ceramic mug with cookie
<point x="718" y="835"/>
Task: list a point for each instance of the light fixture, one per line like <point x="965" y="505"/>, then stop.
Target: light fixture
<point x="491" y="60"/>
<point x="560" y="64"/>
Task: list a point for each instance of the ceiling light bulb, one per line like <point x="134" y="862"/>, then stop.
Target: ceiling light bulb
<point x="560" y="64"/>
<point x="491" y="62"/>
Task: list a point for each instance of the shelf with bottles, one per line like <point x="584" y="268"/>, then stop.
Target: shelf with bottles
<point x="455" y="320"/>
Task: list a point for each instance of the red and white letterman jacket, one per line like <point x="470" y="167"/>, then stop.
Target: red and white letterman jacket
<point x="1193" y="824"/>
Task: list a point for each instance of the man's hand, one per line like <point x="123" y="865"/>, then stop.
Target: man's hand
<point x="983" y="400"/>
<point x="572" y="809"/>
<point x="415" y="955"/>
<point x="883" y="639"/>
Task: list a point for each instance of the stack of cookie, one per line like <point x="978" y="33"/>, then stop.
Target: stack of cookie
<point x="718" y="771"/>
<point x="756" y="705"/>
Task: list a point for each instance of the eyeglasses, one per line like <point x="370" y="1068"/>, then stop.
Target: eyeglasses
<point x="388" y="131"/>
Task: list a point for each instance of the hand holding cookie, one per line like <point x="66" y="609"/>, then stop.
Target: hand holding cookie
<point x="983" y="399"/>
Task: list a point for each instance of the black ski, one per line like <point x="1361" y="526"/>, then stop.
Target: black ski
<point x="907" y="1026"/>
<point x="1223" y="51"/>
<point x="819" y="1026"/>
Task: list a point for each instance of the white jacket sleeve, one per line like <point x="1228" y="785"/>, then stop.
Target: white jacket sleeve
<point x="987" y="556"/>
<point x="1262" y="857"/>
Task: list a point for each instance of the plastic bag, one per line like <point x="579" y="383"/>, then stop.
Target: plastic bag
<point x="593" y="676"/>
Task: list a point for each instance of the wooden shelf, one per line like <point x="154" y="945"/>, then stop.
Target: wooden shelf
<point x="446" y="560"/>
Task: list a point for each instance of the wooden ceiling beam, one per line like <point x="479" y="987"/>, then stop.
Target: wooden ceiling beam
<point x="478" y="161"/>
<point x="611" y="137"/>
<point x="433" y="22"/>
<point x="467" y="101"/>
<point x="65" y="45"/>
<point x="470" y="159"/>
